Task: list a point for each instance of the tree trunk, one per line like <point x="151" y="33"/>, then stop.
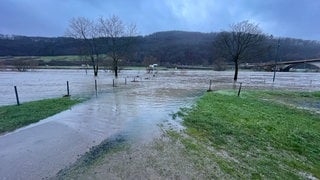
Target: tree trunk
<point x="236" y="69"/>
<point x="116" y="72"/>
<point x="94" y="66"/>
<point x="95" y="70"/>
<point x="115" y="68"/>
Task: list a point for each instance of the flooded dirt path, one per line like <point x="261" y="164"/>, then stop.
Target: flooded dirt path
<point x="133" y="111"/>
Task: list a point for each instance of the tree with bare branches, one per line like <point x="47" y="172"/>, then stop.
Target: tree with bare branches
<point x="241" y="43"/>
<point x="86" y="30"/>
<point x="119" y="37"/>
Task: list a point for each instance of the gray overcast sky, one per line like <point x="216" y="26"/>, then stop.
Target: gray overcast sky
<point x="285" y="18"/>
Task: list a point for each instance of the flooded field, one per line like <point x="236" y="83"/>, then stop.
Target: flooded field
<point x="42" y="84"/>
<point x="132" y="111"/>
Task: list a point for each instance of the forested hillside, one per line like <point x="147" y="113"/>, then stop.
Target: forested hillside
<point x="166" y="48"/>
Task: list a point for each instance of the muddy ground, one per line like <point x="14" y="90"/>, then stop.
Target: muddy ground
<point x="163" y="158"/>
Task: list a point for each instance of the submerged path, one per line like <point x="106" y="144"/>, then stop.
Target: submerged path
<point x="42" y="149"/>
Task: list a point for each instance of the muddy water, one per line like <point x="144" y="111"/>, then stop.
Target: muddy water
<point x="40" y="84"/>
<point x="133" y="111"/>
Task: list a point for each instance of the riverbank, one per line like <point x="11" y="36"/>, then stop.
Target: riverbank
<point x="261" y="134"/>
<point x="13" y="117"/>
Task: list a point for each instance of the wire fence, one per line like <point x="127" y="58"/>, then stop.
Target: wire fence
<point x="16" y="88"/>
<point x="31" y="86"/>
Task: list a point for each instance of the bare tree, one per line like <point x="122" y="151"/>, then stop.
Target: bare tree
<point x="118" y="37"/>
<point x="86" y="30"/>
<point x="241" y="43"/>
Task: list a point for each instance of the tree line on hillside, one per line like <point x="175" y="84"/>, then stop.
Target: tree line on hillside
<point x="169" y="48"/>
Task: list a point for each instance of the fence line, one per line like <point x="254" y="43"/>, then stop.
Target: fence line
<point x="68" y="90"/>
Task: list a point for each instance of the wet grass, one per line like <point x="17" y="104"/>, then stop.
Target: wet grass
<point x="308" y="96"/>
<point x="302" y="100"/>
<point x="253" y="136"/>
<point x="13" y="117"/>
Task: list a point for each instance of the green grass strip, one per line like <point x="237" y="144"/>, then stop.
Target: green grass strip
<point x="13" y="117"/>
<point x="264" y="139"/>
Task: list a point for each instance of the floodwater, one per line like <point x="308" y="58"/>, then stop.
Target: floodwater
<point x="133" y="110"/>
<point x="41" y="84"/>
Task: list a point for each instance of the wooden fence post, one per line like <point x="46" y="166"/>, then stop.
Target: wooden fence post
<point x="239" y="89"/>
<point x="68" y="92"/>
<point x="17" y="96"/>
<point x="209" y="90"/>
<point x="96" y="87"/>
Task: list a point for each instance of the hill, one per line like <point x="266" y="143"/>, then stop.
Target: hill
<point x="166" y="48"/>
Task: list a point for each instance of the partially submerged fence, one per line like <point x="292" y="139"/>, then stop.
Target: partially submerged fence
<point x="67" y="89"/>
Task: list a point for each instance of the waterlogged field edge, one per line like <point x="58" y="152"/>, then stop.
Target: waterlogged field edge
<point x="253" y="137"/>
<point x="13" y="116"/>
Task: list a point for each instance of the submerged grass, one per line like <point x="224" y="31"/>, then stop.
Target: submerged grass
<point x="13" y="117"/>
<point x="254" y="137"/>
